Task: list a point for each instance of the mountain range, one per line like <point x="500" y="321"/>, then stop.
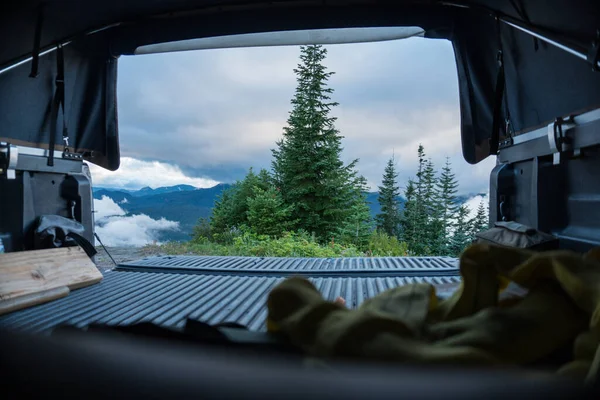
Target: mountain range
<point x="182" y="203"/>
<point x="147" y="191"/>
<point x="186" y="204"/>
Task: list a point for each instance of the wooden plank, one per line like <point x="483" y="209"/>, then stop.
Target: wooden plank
<point x="32" y="299"/>
<point x="26" y="272"/>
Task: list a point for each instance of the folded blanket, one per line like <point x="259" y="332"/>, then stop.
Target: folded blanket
<point x="483" y="323"/>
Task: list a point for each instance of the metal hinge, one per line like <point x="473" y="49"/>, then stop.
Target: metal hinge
<point x="557" y="139"/>
<point x="9" y="155"/>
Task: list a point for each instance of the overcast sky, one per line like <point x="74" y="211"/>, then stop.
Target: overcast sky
<point x="206" y="116"/>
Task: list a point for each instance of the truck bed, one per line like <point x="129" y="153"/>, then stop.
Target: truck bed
<point x="168" y="290"/>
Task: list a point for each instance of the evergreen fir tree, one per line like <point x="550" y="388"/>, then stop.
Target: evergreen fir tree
<point x="431" y="221"/>
<point x="430" y="208"/>
<point x="425" y="223"/>
<point x="419" y="189"/>
<point x="231" y="207"/>
<point x="243" y="190"/>
<point x="220" y="220"/>
<point x="267" y="215"/>
<point x="265" y="180"/>
<point x="429" y="183"/>
<point x="481" y="220"/>
<point x="461" y="237"/>
<point x="416" y="217"/>
<point x="307" y="166"/>
<point x="239" y="204"/>
<point x="446" y="208"/>
<point x="389" y="218"/>
<point x="358" y="226"/>
<point x="410" y="221"/>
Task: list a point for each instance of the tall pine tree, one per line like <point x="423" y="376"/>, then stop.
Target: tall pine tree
<point x="358" y="226"/>
<point x="447" y="208"/>
<point x="307" y="167"/>
<point x="389" y="219"/>
<point x="425" y="223"/>
<point x="420" y="189"/>
<point x="461" y="236"/>
<point x="416" y="216"/>
<point x="481" y="220"/>
<point x="432" y="223"/>
<point x="410" y="220"/>
<point x="222" y="213"/>
<point x="231" y="207"/>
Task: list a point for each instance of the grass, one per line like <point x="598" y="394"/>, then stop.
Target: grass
<point x="289" y="245"/>
<point x="192" y="248"/>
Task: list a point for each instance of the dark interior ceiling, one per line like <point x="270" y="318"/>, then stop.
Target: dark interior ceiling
<point x="542" y="82"/>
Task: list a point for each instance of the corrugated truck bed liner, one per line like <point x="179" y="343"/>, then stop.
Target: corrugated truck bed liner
<point x="167" y="290"/>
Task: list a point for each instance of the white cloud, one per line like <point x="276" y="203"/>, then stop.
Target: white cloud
<point x="135" y="174"/>
<point x="220" y="111"/>
<point x="135" y="230"/>
<point x="373" y="136"/>
<point x="106" y="207"/>
<point x="116" y="229"/>
<point x="474" y="202"/>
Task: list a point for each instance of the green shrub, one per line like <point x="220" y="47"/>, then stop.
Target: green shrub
<point x="225" y="238"/>
<point x="383" y="245"/>
<point x="243" y="242"/>
<point x="202" y="230"/>
<point x="290" y="244"/>
<point x="197" y="247"/>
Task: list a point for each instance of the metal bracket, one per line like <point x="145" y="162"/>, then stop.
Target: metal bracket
<point x="505" y="143"/>
<point x="67" y="153"/>
<point x="593" y="56"/>
<point x="557" y="139"/>
<point x="9" y="155"/>
<point x="71" y="156"/>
